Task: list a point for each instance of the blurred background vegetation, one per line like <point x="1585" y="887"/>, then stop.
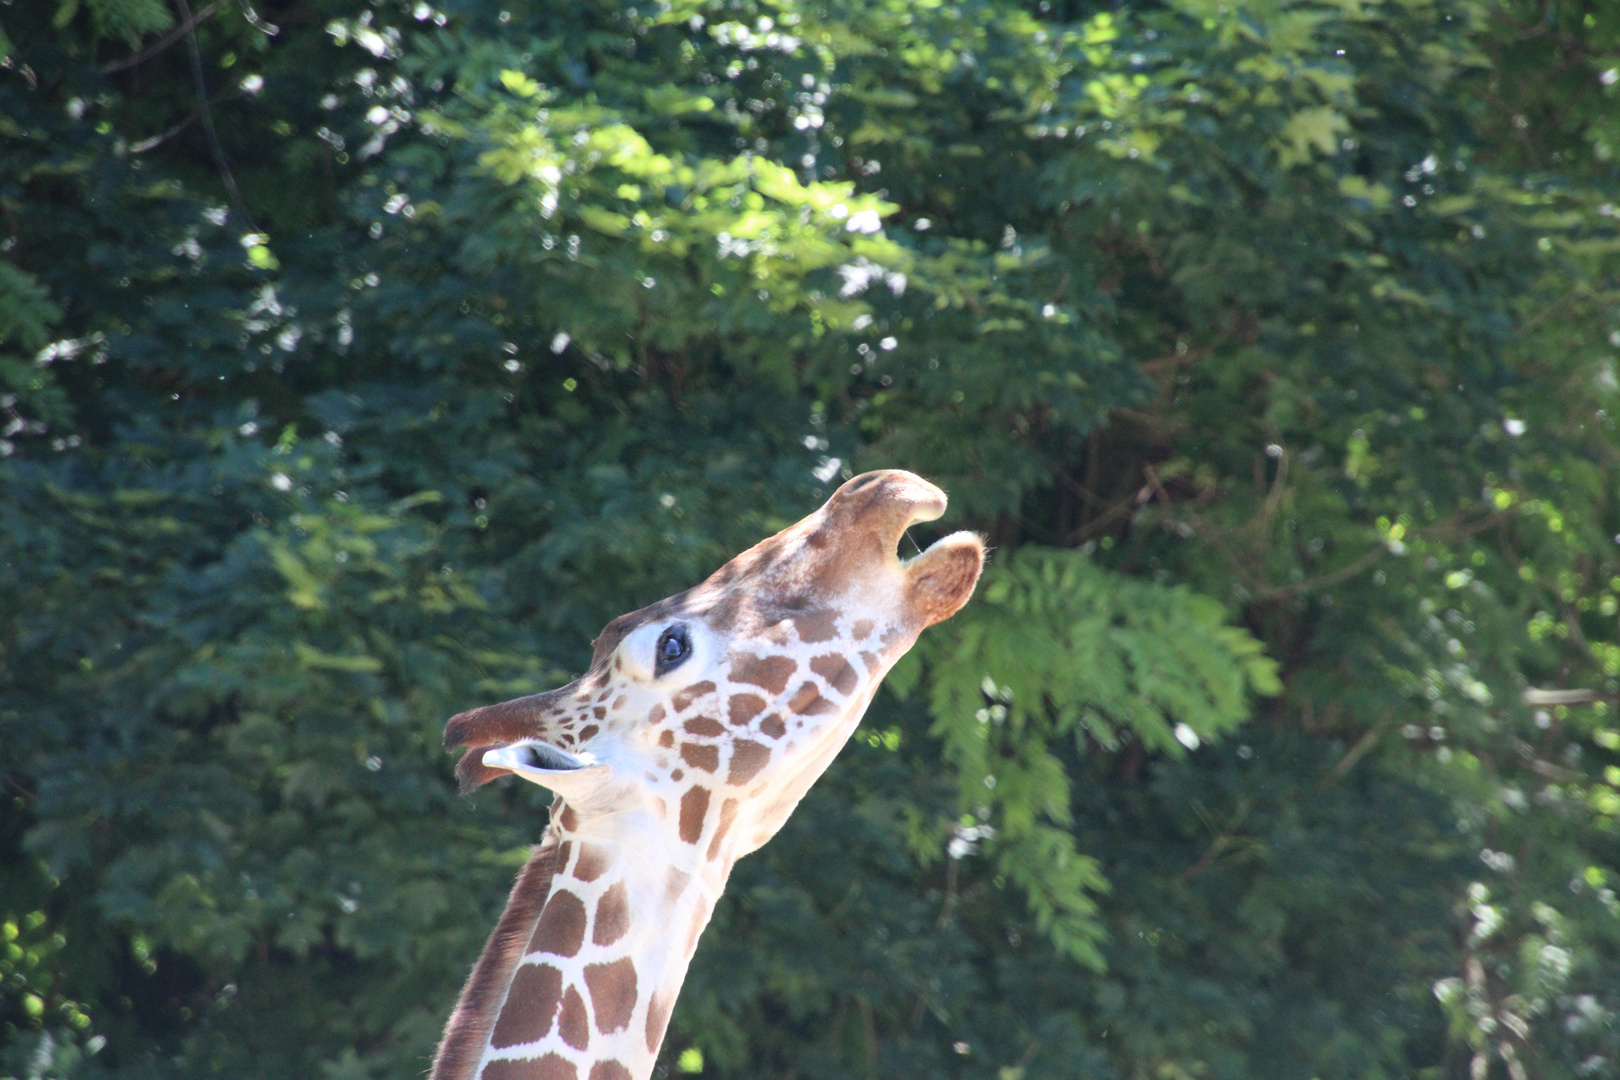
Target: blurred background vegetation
<point x="359" y="360"/>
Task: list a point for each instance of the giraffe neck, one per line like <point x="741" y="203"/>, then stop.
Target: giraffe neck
<point x="592" y="989"/>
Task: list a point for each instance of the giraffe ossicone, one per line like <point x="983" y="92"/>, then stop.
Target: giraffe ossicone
<point x="702" y="722"/>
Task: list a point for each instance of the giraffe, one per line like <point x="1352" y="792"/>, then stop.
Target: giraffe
<point x="703" y="720"/>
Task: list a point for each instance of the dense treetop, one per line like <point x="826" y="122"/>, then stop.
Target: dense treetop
<point x="359" y="360"/>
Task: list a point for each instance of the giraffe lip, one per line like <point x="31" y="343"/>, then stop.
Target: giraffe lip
<point x="536" y="757"/>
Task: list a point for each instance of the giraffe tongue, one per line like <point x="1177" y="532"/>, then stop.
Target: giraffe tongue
<point x="533" y="757"/>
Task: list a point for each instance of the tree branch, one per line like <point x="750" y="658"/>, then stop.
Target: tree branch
<point x="185" y="27"/>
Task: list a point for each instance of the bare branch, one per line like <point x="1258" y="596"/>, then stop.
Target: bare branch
<point x="185" y="27"/>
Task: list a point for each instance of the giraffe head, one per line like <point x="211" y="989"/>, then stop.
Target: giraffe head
<point x="711" y="712"/>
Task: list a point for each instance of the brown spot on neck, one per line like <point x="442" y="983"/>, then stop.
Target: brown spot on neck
<point x="807" y="701"/>
<point x="728" y="814"/>
<point x="593" y="862"/>
<point x="657" y="1020"/>
<point x="612" y="916"/>
<point x="747" y="758"/>
<point x="573" y="1024"/>
<point x="531" y="1006"/>
<point x="550" y="1067"/>
<point x="837" y="671"/>
<point x="613" y="993"/>
<point x="561" y="929"/>
<point x="609" y="1070"/>
<point x="694" y="808"/>
<point x="700" y="919"/>
<point x="675" y="885"/>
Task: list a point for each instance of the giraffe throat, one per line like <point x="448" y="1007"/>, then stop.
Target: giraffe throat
<point x="702" y="723"/>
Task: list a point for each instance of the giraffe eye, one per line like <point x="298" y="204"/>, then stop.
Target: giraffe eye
<point x="674" y="646"/>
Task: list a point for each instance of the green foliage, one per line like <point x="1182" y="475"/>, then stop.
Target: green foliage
<point x="1271" y="344"/>
<point x="128" y="20"/>
<point x="1058" y="649"/>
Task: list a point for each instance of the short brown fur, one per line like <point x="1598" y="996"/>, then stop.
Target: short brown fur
<point x="468" y="1030"/>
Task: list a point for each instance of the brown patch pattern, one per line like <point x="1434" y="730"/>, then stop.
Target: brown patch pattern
<point x="700" y="919"/>
<point x="807" y="701"/>
<point x="706" y="758"/>
<point x="773" y="727"/>
<point x="694" y="808"/>
<point x="771" y="672"/>
<point x="744" y="707"/>
<point x="573" y="1024"/>
<point x="836" y="670"/>
<point x="562" y="925"/>
<point x="675" y="885"/>
<point x="550" y="1067"/>
<point x="728" y="814"/>
<point x="863" y="629"/>
<point x="593" y="861"/>
<point x="706" y="726"/>
<point x="818" y="625"/>
<point x="684" y="698"/>
<point x="468" y="1030"/>
<point x="609" y="1070"/>
<point x="612" y="916"/>
<point x="613" y="993"/>
<point x="657" y="1020"/>
<point x="530" y="1006"/>
<point x="747" y="758"/>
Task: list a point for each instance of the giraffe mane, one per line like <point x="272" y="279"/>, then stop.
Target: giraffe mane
<point x="468" y="1030"/>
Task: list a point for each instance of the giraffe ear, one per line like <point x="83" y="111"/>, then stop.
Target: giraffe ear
<point x="941" y="579"/>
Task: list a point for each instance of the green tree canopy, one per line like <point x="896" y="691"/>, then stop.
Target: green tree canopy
<point x="359" y="360"/>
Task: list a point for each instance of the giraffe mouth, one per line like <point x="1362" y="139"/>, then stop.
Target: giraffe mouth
<point x="536" y="757"/>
